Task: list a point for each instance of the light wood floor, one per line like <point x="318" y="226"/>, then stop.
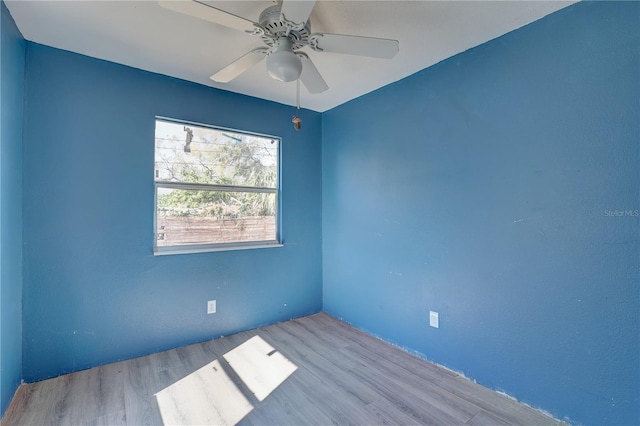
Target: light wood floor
<point x="313" y="370"/>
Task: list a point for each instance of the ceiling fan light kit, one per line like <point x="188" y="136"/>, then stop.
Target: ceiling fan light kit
<point x="283" y="64"/>
<point x="285" y="29"/>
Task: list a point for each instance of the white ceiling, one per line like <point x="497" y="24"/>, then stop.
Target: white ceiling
<point x="144" y="35"/>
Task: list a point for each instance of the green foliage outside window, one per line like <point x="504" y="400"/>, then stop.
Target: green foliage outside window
<point x="216" y="158"/>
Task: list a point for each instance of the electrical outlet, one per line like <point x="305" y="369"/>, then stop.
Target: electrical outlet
<point x="434" y="319"/>
<point x="211" y="307"/>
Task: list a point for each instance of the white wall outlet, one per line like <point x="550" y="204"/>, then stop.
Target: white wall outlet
<point x="434" y="319"/>
<point x="211" y="307"/>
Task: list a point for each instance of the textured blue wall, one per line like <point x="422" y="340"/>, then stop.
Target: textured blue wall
<point x="489" y="188"/>
<point x="12" y="53"/>
<point x="93" y="291"/>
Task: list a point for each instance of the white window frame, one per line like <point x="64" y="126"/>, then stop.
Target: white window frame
<point x="212" y="247"/>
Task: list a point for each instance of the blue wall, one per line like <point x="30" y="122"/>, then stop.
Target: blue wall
<point x="93" y="291"/>
<point x="12" y="54"/>
<point x="488" y="188"/>
<point x="498" y="188"/>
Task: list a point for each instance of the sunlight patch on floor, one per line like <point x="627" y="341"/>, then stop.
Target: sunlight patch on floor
<point x="260" y="366"/>
<point x="206" y="396"/>
<point x="209" y="395"/>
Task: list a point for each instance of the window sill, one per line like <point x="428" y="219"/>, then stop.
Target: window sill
<point x="164" y="251"/>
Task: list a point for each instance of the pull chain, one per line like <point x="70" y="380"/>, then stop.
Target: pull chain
<point x="297" y="122"/>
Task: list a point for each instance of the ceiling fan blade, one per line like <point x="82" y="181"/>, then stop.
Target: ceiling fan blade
<point x="354" y="45"/>
<point x="297" y="11"/>
<point x="209" y="13"/>
<point x="310" y="76"/>
<point x="240" y="65"/>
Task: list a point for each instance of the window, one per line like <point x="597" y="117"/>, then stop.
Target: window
<point x="216" y="189"/>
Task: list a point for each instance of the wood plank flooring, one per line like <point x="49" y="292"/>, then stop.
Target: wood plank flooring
<point x="314" y="370"/>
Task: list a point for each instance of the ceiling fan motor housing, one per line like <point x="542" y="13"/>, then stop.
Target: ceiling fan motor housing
<point x="276" y="28"/>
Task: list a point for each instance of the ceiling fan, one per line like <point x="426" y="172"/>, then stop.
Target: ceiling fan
<point x="284" y="28"/>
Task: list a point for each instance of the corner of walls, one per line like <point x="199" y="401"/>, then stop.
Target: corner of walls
<point x="12" y="60"/>
<point x="500" y="189"/>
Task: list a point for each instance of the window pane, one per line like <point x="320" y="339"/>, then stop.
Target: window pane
<point x="188" y="216"/>
<point x="195" y="154"/>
